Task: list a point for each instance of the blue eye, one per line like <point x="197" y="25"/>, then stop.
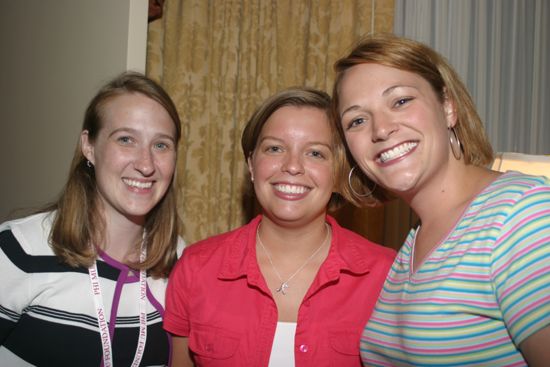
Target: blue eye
<point x="356" y="122"/>
<point x="161" y="146"/>
<point x="124" y="139"/>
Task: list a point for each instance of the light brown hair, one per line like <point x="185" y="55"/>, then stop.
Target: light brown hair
<point x="415" y="57"/>
<point x="298" y="97"/>
<point x="79" y="222"/>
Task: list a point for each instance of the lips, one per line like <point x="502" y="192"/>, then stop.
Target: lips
<point x="138" y="184"/>
<point x="397" y="151"/>
<point x="291" y="189"/>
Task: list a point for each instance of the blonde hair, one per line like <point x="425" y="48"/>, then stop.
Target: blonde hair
<point x="415" y="57"/>
<point x="79" y="222"/>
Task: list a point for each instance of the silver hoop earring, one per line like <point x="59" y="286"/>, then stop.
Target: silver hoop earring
<point x="89" y="164"/>
<point x="456" y="147"/>
<point x="353" y="190"/>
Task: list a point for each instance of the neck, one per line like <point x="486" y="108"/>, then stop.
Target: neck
<point x="122" y="237"/>
<point x="292" y="241"/>
<point x="453" y="190"/>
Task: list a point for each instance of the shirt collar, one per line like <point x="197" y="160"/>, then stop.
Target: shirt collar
<point x="240" y="258"/>
<point x="241" y="255"/>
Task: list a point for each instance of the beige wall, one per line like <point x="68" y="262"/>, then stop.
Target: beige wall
<point x="55" y="54"/>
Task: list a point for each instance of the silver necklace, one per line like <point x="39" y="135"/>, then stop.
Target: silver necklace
<point x="284" y="283"/>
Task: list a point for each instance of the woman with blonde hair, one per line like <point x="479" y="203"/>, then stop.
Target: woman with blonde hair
<point x="83" y="281"/>
<point x="471" y="284"/>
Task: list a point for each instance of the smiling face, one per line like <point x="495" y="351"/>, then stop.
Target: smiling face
<point x="133" y="155"/>
<point x="292" y="165"/>
<point x="395" y="125"/>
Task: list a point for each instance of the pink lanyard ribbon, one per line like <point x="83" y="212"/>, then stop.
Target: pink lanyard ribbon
<point x="102" y="318"/>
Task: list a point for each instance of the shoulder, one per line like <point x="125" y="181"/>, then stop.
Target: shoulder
<point x="522" y="211"/>
<point x="511" y="193"/>
<point x="216" y="242"/>
<point x="516" y="184"/>
<point x="231" y="243"/>
<point x="32" y="232"/>
<point x="516" y="192"/>
<point x="207" y="258"/>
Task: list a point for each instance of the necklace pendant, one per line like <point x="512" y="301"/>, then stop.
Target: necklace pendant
<point x="282" y="288"/>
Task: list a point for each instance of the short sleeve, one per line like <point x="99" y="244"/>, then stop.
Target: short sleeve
<point x="176" y="319"/>
<point x="14" y="287"/>
<point x="521" y="264"/>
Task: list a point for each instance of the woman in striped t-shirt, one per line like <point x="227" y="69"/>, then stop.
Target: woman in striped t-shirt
<point x="471" y="284"/>
<point x="83" y="281"/>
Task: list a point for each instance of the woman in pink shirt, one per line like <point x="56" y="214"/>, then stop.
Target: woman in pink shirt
<point x="292" y="287"/>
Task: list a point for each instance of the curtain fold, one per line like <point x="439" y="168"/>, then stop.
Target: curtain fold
<point x="218" y="60"/>
<point x="501" y="49"/>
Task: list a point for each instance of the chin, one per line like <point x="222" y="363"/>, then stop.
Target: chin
<point x="284" y="216"/>
<point x="138" y="212"/>
<point x="400" y="187"/>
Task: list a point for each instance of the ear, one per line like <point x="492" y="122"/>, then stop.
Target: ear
<point x="250" y="169"/>
<point x="87" y="147"/>
<point x="449" y="109"/>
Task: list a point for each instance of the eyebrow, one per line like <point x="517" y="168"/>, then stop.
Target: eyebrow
<point x="384" y="94"/>
<point x="134" y="131"/>
<point x="328" y="145"/>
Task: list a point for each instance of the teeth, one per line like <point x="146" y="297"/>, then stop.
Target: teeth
<point x="291" y="189"/>
<point x="397" y="152"/>
<point x="138" y="184"/>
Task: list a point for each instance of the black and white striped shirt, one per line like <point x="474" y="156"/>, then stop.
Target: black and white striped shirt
<point x="47" y="314"/>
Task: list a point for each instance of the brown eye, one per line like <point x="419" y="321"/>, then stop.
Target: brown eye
<point x="273" y="149"/>
<point x="403" y="101"/>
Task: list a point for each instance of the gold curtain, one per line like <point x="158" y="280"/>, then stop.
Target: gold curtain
<point x="218" y="60"/>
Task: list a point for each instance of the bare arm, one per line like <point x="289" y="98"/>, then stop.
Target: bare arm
<point x="536" y="348"/>
<point x="180" y="352"/>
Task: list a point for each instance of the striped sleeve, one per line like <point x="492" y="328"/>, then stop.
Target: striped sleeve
<point x="15" y="284"/>
<point x="521" y="265"/>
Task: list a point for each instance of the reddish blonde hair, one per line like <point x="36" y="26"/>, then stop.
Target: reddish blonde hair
<point x="415" y="57"/>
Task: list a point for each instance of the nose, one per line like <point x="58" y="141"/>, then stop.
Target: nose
<point x="293" y="164"/>
<point x="144" y="162"/>
<point x="382" y="127"/>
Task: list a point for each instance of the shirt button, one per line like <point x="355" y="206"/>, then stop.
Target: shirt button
<point x="304" y="348"/>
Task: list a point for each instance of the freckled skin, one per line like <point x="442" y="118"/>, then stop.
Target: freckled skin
<point x="399" y="109"/>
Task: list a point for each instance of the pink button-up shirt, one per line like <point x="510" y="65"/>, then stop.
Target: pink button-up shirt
<point x="218" y="298"/>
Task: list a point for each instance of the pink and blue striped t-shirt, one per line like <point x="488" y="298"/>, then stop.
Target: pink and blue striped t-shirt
<point x="479" y="294"/>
